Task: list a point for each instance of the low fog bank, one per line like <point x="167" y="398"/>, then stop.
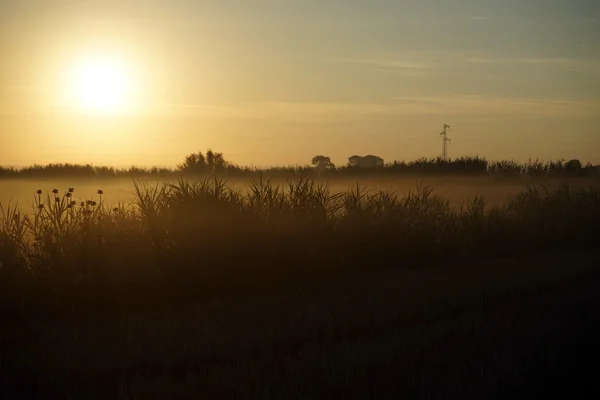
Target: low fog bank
<point x="457" y="189"/>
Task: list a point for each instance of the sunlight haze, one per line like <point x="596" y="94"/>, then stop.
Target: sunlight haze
<point x="276" y="82"/>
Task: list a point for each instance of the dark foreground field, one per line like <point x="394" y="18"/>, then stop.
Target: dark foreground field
<point x="510" y="328"/>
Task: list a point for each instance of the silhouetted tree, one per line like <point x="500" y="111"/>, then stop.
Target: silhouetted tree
<point x="368" y="161"/>
<point x="573" y="165"/>
<point x="194" y="162"/>
<point x="198" y="162"/>
<point x="322" y="163"/>
<point x="218" y="162"/>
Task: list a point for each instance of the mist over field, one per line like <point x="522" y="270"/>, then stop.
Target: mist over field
<point x="456" y="189"/>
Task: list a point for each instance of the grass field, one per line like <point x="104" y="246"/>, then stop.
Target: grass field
<point x="514" y="328"/>
<point x="302" y="291"/>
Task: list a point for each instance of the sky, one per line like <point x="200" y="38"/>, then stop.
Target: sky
<point x="275" y="82"/>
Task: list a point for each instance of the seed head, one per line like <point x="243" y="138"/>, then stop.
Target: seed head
<point x="93" y="203"/>
<point x="73" y="202"/>
<point x="82" y="204"/>
<point x="100" y="191"/>
<point x="55" y="191"/>
<point x="69" y="194"/>
<point x="116" y="210"/>
<point x="41" y="206"/>
<point x="39" y="191"/>
<point x="57" y="199"/>
<point x="71" y="190"/>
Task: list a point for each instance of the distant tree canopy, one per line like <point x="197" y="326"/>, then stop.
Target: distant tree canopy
<point x="573" y="165"/>
<point x="213" y="162"/>
<point x="322" y="163"/>
<point x="198" y="162"/>
<point x="368" y="161"/>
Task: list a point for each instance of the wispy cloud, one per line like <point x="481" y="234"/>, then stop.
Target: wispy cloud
<point x="481" y="60"/>
<point x="428" y="65"/>
<point x="457" y="105"/>
<point x="407" y="67"/>
<point x="469" y="106"/>
<point x="550" y="61"/>
<point x="557" y="62"/>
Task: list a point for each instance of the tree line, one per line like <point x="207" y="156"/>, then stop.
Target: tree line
<point x="211" y="162"/>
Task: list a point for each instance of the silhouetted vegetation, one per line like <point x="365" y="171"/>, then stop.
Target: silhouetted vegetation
<point x="368" y="161"/>
<point x="221" y="292"/>
<point x="199" y="164"/>
<point x="322" y="163"/>
<point x="81" y="171"/>
<point x="195" y="234"/>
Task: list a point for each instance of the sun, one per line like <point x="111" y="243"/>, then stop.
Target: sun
<point x="101" y="85"/>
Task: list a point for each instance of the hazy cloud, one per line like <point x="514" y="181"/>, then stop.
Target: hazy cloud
<point x="565" y="62"/>
<point x="389" y="62"/>
<point x="550" y="61"/>
<point x="481" y="60"/>
<point x="406" y="67"/>
<point x="424" y="67"/>
<point x="457" y="105"/>
<point x="479" y="18"/>
<point x="320" y="112"/>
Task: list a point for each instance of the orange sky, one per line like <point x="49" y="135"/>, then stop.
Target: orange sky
<point x="275" y="83"/>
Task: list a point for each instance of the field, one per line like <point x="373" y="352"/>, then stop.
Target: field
<point x="197" y="289"/>
<point x="513" y="328"/>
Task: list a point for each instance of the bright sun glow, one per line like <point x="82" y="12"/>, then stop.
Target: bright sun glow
<point x="101" y="86"/>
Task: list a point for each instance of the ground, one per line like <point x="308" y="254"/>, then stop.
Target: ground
<point x="508" y="328"/>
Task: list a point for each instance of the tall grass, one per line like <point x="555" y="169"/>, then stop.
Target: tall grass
<point x="195" y="236"/>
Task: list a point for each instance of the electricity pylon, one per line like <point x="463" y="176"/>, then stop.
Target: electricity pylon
<point x="445" y="141"/>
